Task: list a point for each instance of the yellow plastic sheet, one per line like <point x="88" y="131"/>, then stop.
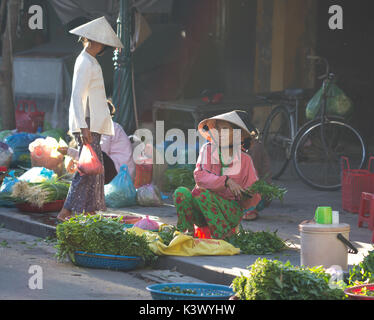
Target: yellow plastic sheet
<point x="187" y="246"/>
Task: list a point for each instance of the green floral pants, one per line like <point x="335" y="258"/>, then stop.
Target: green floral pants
<point x="205" y="208"/>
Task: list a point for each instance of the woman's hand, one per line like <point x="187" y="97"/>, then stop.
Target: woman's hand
<point x="235" y="188"/>
<point x="86" y="136"/>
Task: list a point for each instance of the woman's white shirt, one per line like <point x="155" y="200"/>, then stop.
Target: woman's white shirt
<point x="88" y="90"/>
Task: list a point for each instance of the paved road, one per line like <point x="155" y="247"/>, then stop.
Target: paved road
<point x="18" y="252"/>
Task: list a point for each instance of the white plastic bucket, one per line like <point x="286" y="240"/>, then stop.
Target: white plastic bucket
<point x="321" y="247"/>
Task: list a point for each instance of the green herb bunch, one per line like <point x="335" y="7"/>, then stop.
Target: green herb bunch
<point x="98" y="234"/>
<point x="267" y="191"/>
<point x="274" y="280"/>
<point x="167" y="234"/>
<point x="362" y="272"/>
<point x="262" y="242"/>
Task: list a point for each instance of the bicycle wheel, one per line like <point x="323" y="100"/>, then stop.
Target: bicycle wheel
<point x="277" y="140"/>
<point x="317" y="163"/>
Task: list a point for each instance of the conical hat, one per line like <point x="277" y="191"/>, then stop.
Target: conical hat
<point x="99" y="30"/>
<point x="238" y="118"/>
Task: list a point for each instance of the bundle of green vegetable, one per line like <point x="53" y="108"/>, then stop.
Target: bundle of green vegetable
<point x="267" y="191"/>
<point x="274" y="280"/>
<point x="363" y="272"/>
<point x="262" y="242"/>
<point x="98" y="234"/>
<point x="38" y="194"/>
<point x="167" y="234"/>
<point x="179" y="290"/>
<point x="178" y="177"/>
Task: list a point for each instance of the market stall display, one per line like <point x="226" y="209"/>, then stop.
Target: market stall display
<point x="100" y="235"/>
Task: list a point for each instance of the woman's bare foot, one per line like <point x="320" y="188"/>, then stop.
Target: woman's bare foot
<point x="64" y="215"/>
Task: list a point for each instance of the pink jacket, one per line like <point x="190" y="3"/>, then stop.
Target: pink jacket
<point x="208" y="175"/>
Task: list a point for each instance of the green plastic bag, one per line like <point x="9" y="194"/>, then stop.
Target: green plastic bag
<point x="338" y="104"/>
<point x="54" y="133"/>
<point x="5" y="134"/>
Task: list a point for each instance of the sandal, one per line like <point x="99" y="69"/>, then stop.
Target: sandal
<point x="250" y="216"/>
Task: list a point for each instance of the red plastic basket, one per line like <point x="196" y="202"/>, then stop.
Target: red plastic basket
<point x="354" y="182"/>
<point x="54" y="206"/>
<point x="27" y="119"/>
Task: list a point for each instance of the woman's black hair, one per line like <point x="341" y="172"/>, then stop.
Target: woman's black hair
<point x="112" y="108"/>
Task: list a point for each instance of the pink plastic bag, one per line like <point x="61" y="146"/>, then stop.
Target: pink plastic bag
<point x="147" y="224"/>
<point x="89" y="163"/>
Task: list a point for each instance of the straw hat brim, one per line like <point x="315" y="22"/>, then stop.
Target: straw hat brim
<point x="99" y="30"/>
<point x="231" y="117"/>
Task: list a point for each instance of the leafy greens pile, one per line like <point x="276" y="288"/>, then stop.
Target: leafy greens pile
<point x="363" y="272"/>
<point x="274" y="280"/>
<point x="257" y="243"/>
<point x="98" y="234"/>
<point x="267" y="191"/>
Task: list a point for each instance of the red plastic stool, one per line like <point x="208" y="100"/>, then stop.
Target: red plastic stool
<point x="366" y="211"/>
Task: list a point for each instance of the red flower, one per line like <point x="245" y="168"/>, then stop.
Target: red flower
<point x="178" y="200"/>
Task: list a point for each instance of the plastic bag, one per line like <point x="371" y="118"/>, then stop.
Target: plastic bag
<point x="5" y="134"/>
<point x="6" y="154"/>
<point x="148" y="196"/>
<point x="120" y="192"/>
<point x="9" y="182"/>
<point x="44" y="154"/>
<point x="19" y="143"/>
<point x="89" y="163"/>
<point x="37" y="174"/>
<point x="187" y="246"/>
<point x="338" y="103"/>
<point x="147" y="224"/>
<point x="54" y="133"/>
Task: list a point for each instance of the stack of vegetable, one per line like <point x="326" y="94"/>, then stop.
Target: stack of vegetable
<point x="267" y="191"/>
<point x="100" y="235"/>
<point x="274" y="280"/>
<point x="38" y="194"/>
<point x="257" y="243"/>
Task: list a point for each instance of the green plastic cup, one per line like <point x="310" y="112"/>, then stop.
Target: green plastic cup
<point x="323" y="215"/>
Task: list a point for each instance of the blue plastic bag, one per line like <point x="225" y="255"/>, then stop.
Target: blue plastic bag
<point x="120" y="192"/>
<point x="9" y="182"/>
<point x="37" y="174"/>
<point x="19" y="143"/>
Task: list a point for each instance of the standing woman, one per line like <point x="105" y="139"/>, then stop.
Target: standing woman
<point x="89" y="116"/>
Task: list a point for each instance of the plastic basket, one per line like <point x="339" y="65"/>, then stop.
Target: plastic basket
<point x="353" y="293"/>
<point x="106" y="261"/>
<point x="204" y="291"/>
<point x="354" y="182"/>
<point x="54" y="206"/>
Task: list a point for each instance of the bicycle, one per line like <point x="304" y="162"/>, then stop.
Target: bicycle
<point x="317" y="147"/>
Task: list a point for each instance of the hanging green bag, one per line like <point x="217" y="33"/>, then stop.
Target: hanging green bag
<point x="338" y="104"/>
